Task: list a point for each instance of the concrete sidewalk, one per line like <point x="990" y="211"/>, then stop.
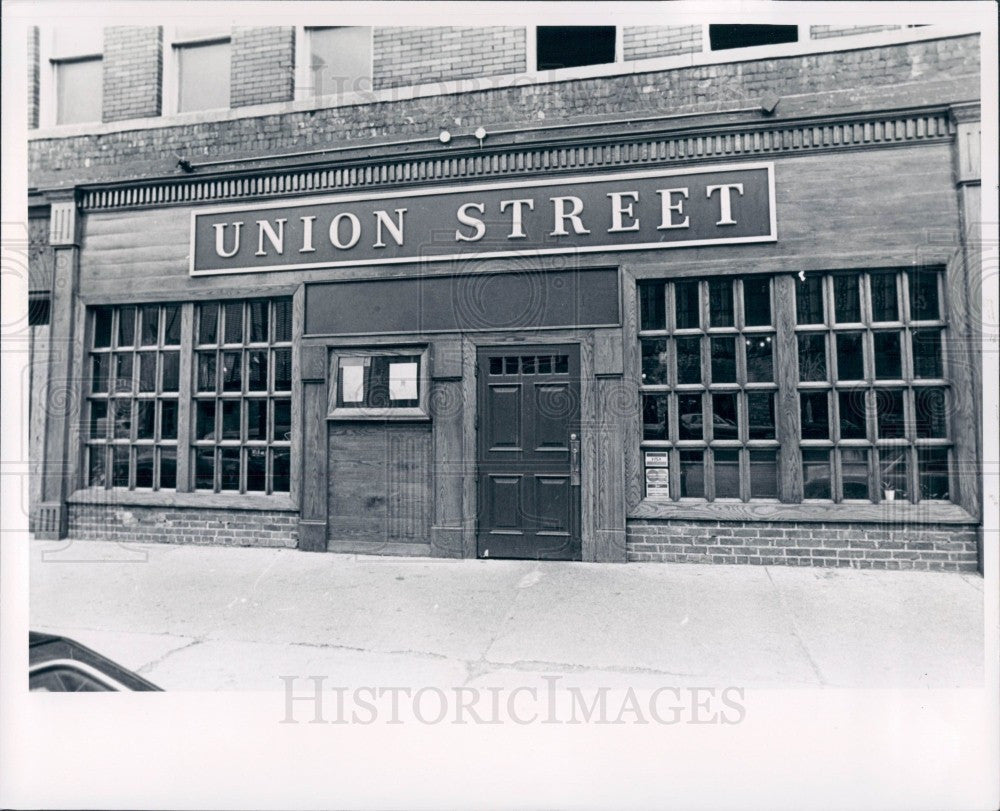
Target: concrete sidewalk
<point x="190" y="617"/>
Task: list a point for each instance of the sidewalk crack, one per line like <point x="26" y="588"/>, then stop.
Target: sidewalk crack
<point x="794" y="628"/>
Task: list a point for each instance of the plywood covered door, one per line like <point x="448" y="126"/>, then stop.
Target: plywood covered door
<point x="528" y="438"/>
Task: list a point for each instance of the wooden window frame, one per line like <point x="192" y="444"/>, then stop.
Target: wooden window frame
<point x="48" y="77"/>
<point x="418" y="412"/>
<point x="742" y="387"/>
<point x="113" y="394"/>
<point x="172" y="43"/>
<point x="876" y="446"/>
<point x="269" y="394"/>
<point x="303" y="59"/>
<point x="788" y="389"/>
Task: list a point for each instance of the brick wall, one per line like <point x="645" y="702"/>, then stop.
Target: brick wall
<point x="133" y="72"/>
<point x="33" y="77"/>
<point x="826" y="31"/>
<point x="414" y="55"/>
<point x="868" y="73"/>
<point x="857" y="546"/>
<point x="649" y="41"/>
<point x="262" y="69"/>
<point x="180" y="525"/>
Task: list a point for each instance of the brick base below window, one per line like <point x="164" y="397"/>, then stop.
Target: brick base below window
<point x="178" y="525"/>
<point x="932" y="547"/>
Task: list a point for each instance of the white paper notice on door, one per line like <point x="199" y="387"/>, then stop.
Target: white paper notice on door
<point x="353" y="384"/>
<point x="402" y="381"/>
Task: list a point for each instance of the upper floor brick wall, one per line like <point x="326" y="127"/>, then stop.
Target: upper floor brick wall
<point x="132" y="72"/>
<point x="262" y="68"/>
<point x="909" y="74"/>
<point x="650" y="41"/>
<point x="33" y="75"/>
<point x="826" y="31"/>
<point x="414" y="55"/>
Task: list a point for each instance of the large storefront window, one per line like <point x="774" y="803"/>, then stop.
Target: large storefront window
<point x="133" y="404"/>
<point x="243" y="387"/>
<point x="236" y="406"/>
<point x="872" y="392"/>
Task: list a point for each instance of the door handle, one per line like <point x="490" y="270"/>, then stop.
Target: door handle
<point x="574" y="460"/>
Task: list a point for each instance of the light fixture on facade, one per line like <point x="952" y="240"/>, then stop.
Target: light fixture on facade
<point x="444" y="137"/>
<point x="768" y="103"/>
<point x="480" y="134"/>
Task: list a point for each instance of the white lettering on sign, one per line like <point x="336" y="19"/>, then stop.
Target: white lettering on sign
<point x="473" y="222"/>
<point x="668" y="207"/>
<point x="516" y="222"/>
<point x="725" y="204"/>
<point x="395" y="228"/>
<point x="276" y="238"/>
<point x="618" y="209"/>
<point x="625" y="211"/>
<point x="335" y="230"/>
<point x="307" y="234"/>
<point x="561" y="215"/>
<point x="220" y="235"/>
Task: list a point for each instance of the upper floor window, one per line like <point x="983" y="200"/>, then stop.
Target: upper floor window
<point x="723" y="37"/>
<point x="201" y="68"/>
<point x="76" y="72"/>
<point x="334" y="60"/>
<point x="571" y="46"/>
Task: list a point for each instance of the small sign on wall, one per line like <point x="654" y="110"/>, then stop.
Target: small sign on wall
<point x="658" y="475"/>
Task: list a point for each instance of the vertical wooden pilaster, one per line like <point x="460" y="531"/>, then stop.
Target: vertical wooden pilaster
<point x="786" y="404"/>
<point x="313" y="489"/>
<point x="615" y="401"/>
<point x="963" y="301"/>
<point x="63" y="388"/>
<point x="447" y="409"/>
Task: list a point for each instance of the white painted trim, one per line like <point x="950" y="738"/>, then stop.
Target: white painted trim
<point x="48" y="89"/>
<point x="170" y="84"/>
<point x="301" y="76"/>
<point x="530" y="48"/>
<point x="827" y="45"/>
<point x="471" y="188"/>
<point x="303" y="60"/>
<point x="47" y="101"/>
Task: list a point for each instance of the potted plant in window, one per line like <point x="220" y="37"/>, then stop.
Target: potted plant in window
<point x="888" y="490"/>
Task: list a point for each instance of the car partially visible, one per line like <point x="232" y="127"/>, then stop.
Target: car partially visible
<point x="58" y="664"/>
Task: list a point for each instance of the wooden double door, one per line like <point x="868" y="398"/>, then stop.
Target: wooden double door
<point x="528" y="452"/>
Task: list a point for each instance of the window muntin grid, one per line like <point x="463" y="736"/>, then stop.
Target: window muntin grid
<point x="708" y="385"/>
<point x="133" y="404"/>
<point x="873" y="388"/>
<point x="870" y="373"/>
<point x="241" y="392"/>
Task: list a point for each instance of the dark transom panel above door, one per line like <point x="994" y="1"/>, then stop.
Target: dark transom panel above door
<point x="528" y="424"/>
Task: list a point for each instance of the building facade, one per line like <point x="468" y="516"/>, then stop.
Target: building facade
<point x="700" y="293"/>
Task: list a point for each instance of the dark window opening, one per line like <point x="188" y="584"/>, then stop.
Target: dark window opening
<point x="570" y="46"/>
<point x="723" y="37"/>
<point x="38" y="311"/>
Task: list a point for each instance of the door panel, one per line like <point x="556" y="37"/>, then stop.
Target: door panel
<point x="528" y="407"/>
<point x="505" y="417"/>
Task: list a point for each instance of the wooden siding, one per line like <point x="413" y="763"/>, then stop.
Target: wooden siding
<point x="380" y="483"/>
<point x="833" y="210"/>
